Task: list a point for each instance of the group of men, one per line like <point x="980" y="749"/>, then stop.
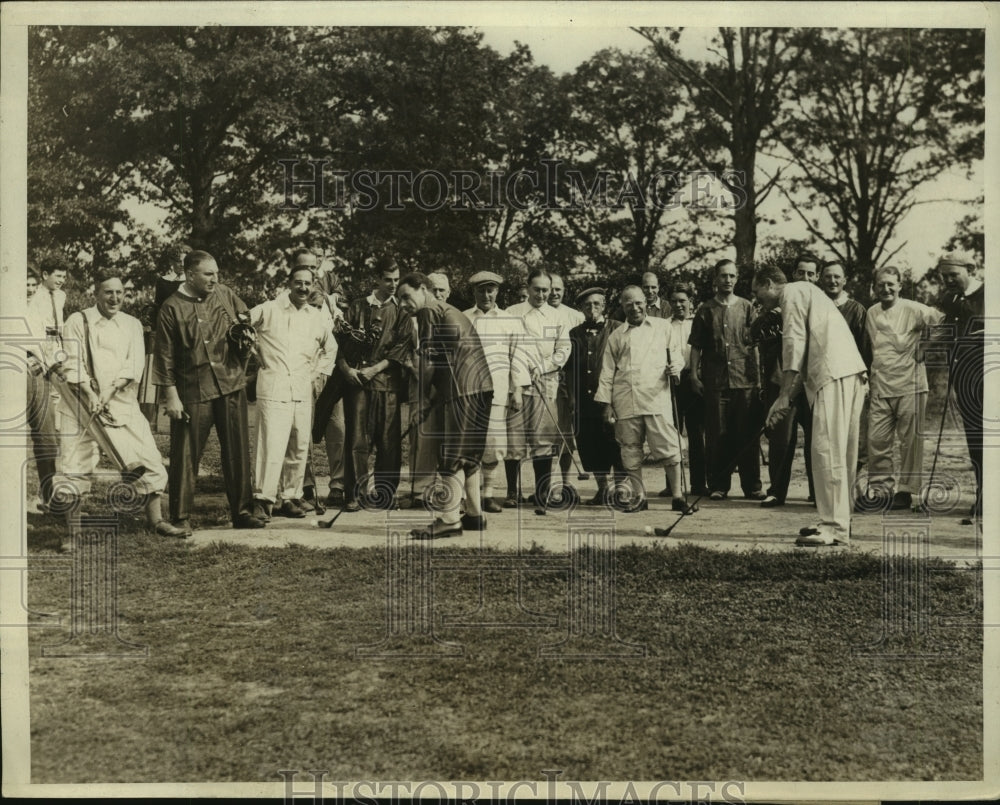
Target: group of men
<point x="535" y="383"/>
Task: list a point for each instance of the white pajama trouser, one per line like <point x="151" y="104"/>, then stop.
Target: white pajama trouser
<point x="133" y="439"/>
<point x="283" y="433"/>
<point x="496" y="448"/>
<point x="836" y="422"/>
<point x="888" y="417"/>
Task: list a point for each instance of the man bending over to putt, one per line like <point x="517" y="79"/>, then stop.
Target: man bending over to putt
<point x="818" y="352"/>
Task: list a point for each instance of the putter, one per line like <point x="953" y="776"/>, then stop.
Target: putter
<point x="665" y="532"/>
<point x="580" y="474"/>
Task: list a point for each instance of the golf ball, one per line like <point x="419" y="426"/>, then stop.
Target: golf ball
<point x="648" y="529"/>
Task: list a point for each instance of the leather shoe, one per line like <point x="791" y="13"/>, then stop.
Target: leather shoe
<point x="248" y="521"/>
<point x="717" y="495"/>
<point x="262" y="510"/>
<point x="770" y="502"/>
<point x="167" y="529"/>
<point x="352" y="506"/>
<point x="510" y="502"/>
<point x="681" y="505"/>
<point x="335" y="498"/>
<point x="638" y="506"/>
<point x="473" y="522"/>
<point x="437" y="529"/>
<point x="757" y="494"/>
<point x="183" y="525"/>
<point x="901" y="500"/>
<point x="290" y="508"/>
<point x="490" y="506"/>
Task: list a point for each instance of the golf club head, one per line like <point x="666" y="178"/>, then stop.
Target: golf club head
<point x="133" y="472"/>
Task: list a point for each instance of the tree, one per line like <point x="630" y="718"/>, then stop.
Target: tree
<point x="969" y="235"/>
<point x="878" y="114"/>
<point x="735" y="102"/>
<point x="623" y="143"/>
<point x="189" y="118"/>
<point x="74" y="202"/>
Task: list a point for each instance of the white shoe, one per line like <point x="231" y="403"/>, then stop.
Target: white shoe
<point x="817" y="537"/>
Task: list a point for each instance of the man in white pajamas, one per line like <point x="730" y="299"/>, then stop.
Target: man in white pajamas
<point x="295" y="344"/>
<point x="898" y="391"/>
<point x="635" y="391"/>
<point x="500" y="335"/>
<point x="819" y="353"/>
<point x="105" y="355"/>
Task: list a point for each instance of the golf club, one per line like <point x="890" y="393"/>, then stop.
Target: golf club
<point x="665" y="532"/>
<point x="580" y="474"/>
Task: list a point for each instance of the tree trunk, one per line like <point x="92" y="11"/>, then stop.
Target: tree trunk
<point x="745" y="215"/>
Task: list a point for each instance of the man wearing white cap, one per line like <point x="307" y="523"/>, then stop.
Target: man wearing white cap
<point x="500" y="335"/>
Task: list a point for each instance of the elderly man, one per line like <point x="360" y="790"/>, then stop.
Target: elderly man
<point x="533" y="431"/>
<point x="599" y="451"/>
<point x="640" y="358"/>
<point x="724" y="371"/>
<point x="690" y="405"/>
<point x="454" y="369"/>
<point x="439" y="285"/>
<point x="105" y="356"/>
<point x="656" y="306"/>
<point x="203" y="375"/>
<point x="963" y="302"/>
<point x="898" y="397"/>
<point x="44" y="313"/>
<point x="500" y="335"/>
<point x="819" y="354"/>
<point x="295" y="344"/>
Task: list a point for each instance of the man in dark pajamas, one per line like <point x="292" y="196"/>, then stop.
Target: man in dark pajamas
<point x="203" y="376"/>
<point x="964" y="304"/>
<point x="599" y="452"/>
<point x="369" y="378"/>
<point x="724" y="372"/>
<point x="455" y="376"/>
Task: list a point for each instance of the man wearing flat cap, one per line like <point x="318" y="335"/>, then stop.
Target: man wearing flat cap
<point x="500" y="335"/>
<point x="599" y="451"/>
<point x="963" y="302"/>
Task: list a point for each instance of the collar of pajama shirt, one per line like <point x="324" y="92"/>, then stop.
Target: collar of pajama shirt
<point x="293" y="344"/>
<point x="117" y="351"/>
<point x="545" y="343"/>
<point x="633" y="373"/>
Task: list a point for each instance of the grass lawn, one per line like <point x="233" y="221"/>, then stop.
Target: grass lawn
<point x="749" y="672"/>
